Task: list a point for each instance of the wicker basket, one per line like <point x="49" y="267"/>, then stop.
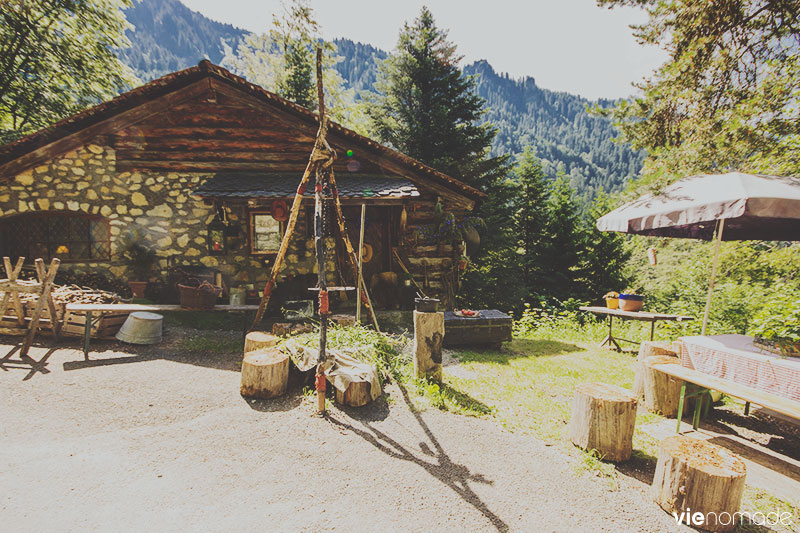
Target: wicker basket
<point x="202" y="296"/>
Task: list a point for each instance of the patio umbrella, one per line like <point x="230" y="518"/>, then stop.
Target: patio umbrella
<point x="729" y="207"/>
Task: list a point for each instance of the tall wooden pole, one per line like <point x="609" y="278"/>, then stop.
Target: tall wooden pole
<point x="718" y="239"/>
<point x="360" y="263"/>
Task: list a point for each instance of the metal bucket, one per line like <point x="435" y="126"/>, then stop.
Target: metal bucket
<point x="141" y="328"/>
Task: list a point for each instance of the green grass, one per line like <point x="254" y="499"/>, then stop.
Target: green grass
<point x="211" y="343"/>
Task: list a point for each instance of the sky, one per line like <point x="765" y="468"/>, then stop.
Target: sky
<point x="565" y="45"/>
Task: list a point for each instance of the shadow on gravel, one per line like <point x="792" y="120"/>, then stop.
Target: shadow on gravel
<point x="441" y="467"/>
<point x="284" y="403"/>
<point x="26" y="362"/>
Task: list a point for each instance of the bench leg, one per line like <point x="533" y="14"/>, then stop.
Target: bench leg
<point x="87" y="334"/>
<point x="680" y="406"/>
<point x="698" y="406"/>
<point x="746" y="408"/>
<point x="652" y="329"/>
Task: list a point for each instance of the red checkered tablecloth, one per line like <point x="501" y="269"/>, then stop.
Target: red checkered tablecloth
<point x="736" y="358"/>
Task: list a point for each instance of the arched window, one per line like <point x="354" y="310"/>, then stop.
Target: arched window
<point x="47" y="234"/>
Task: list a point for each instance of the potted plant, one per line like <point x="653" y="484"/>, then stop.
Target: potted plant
<point x="777" y="326"/>
<point x="140" y="259"/>
<point x="612" y="299"/>
<point x="630" y="301"/>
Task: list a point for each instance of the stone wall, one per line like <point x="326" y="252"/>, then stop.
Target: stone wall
<point x="157" y="203"/>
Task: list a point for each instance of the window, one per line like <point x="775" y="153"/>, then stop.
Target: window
<point x="265" y="233"/>
<point x="68" y="236"/>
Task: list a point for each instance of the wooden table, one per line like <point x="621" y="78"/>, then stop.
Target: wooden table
<point x="101" y="309"/>
<point x="642" y="316"/>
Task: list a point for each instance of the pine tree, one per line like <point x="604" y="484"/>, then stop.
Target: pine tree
<point x="298" y="84"/>
<point x="531" y="222"/>
<point x="603" y="256"/>
<point x="429" y="110"/>
<point x="564" y="235"/>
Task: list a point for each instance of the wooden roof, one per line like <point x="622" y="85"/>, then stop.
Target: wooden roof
<point x="136" y="121"/>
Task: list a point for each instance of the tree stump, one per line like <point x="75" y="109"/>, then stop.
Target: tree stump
<point x="647" y="349"/>
<point x="694" y="476"/>
<point x="255" y="340"/>
<point x="356" y="395"/>
<point x="428" y="337"/>
<point x="265" y="373"/>
<point x="603" y="418"/>
<point x="661" y="391"/>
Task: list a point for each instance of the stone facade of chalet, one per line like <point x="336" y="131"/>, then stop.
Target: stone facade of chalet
<point x="85" y="181"/>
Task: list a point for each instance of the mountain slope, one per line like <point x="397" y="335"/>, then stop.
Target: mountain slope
<point x="557" y="125"/>
<point x="168" y="36"/>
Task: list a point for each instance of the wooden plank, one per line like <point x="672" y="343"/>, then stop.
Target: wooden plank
<point x="635" y="315"/>
<point x="110" y="125"/>
<point x="46" y="282"/>
<point x="76" y="308"/>
<point x="777" y="403"/>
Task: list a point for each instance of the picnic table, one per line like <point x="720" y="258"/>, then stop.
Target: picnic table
<point x="642" y="316"/>
<point x="90" y="309"/>
<point x="736" y="358"/>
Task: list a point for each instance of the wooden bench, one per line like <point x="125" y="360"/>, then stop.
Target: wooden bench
<point x="101" y="309"/>
<point x="706" y="383"/>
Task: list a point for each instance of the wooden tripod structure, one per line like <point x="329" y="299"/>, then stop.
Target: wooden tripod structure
<point x="320" y="163"/>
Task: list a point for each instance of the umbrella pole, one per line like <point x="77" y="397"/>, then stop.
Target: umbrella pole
<point x="720" y="226"/>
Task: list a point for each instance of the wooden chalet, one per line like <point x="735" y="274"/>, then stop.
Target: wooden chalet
<point x="203" y="164"/>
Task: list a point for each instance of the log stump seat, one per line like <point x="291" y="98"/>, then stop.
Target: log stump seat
<point x="603" y="419"/>
<point x="695" y="476"/>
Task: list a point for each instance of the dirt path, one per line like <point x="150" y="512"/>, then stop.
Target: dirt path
<point x="147" y="439"/>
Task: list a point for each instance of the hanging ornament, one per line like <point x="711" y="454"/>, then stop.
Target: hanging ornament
<point x="280" y="210"/>
<point x="652" y="255"/>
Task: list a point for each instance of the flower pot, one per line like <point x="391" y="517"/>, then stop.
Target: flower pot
<point x="137" y="288"/>
<point x="631" y="302"/>
<point x="612" y="303"/>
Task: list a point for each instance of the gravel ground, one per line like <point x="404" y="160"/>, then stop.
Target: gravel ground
<point x="152" y="438"/>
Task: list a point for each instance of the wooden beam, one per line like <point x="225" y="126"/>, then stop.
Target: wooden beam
<point x="109" y="125"/>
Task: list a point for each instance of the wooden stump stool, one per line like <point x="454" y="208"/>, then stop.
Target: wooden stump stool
<point x="661" y="391"/>
<point x="265" y="373"/>
<point x="647" y="349"/>
<point x="697" y="475"/>
<point x="255" y="340"/>
<point x="356" y="395"/>
<point x="603" y="418"/>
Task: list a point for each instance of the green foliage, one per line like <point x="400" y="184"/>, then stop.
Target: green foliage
<point x="57" y="58"/>
<point x="779" y="318"/>
<point x="753" y="279"/>
<point x="140" y="257"/>
<point x="726" y="97"/>
<point x="602" y="256"/>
